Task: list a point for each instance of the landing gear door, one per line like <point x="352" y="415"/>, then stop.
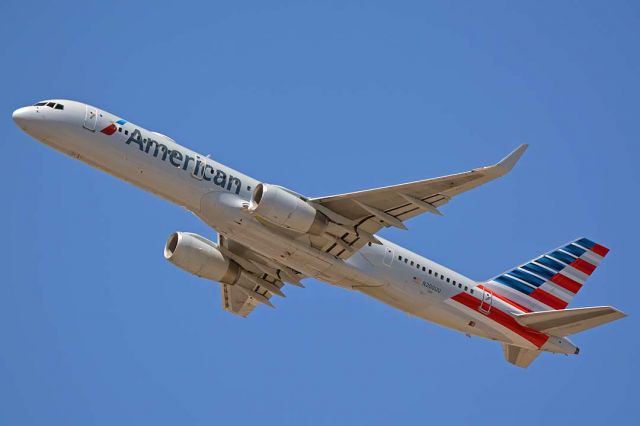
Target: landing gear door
<point x="90" y="118"/>
<point x="487" y="301"/>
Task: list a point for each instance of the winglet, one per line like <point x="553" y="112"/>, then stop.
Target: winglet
<point x="507" y="163"/>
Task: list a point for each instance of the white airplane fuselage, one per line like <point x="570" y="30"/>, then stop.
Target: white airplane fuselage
<point x="219" y="196"/>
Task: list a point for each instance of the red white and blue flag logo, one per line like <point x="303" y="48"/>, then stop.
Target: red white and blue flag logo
<point x="112" y="128"/>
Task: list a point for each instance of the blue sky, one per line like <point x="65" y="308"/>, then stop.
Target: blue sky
<point x="322" y="97"/>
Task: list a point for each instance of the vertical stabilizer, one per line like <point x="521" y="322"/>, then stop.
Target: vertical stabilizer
<point x="550" y="281"/>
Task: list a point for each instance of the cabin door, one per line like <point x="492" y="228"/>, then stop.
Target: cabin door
<point x="90" y="118"/>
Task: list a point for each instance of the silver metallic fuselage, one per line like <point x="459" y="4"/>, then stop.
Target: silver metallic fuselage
<point x="219" y="196"/>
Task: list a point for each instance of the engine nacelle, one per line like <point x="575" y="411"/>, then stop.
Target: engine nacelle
<point x="282" y="208"/>
<point x="201" y="257"/>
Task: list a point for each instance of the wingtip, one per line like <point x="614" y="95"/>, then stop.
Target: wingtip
<point x="507" y="163"/>
<point x="619" y="313"/>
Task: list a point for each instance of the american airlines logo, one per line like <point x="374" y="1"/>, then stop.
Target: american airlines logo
<point x="197" y="167"/>
<point x="112" y="128"/>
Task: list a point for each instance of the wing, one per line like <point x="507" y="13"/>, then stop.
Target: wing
<point x="260" y="280"/>
<point x="363" y="213"/>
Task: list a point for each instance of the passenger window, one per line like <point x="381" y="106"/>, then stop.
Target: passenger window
<point x="120" y="129"/>
<point x="424" y="269"/>
<point x="459" y="285"/>
<point x="406" y="260"/>
<point x="466" y="288"/>
<point x="126" y="132"/>
<point x="430" y="271"/>
<point x="418" y="265"/>
<point x="448" y="280"/>
<point x="471" y="291"/>
<point x="454" y="282"/>
<point x="412" y="263"/>
<point x="399" y="257"/>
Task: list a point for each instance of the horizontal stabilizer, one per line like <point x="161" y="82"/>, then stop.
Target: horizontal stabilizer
<point x="569" y="321"/>
<point x="519" y="356"/>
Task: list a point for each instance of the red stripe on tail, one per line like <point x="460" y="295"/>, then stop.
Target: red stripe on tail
<point x="548" y="299"/>
<point x="601" y="250"/>
<point x="583" y="266"/>
<point x="566" y="283"/>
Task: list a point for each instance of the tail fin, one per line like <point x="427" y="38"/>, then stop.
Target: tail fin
<point x="553" y="279"/>
<point x="569" y="321"/>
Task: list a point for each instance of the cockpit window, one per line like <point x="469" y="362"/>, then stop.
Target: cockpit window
<point x="50" y="105"/>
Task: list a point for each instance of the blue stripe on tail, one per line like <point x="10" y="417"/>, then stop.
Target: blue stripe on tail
<point x="564" y="257"/>
<point x="513" y="283"/>
<point x="550" y="263"/>
<point x="525" y="276"/>
<point x="574" y="250"/>
<point x="586" y="243"/>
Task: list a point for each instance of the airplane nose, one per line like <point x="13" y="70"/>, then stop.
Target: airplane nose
<point x="21" y="115"/>
<point x="26" y="116"/>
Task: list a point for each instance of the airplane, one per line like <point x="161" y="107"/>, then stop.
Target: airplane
<point x="269" y="236"/>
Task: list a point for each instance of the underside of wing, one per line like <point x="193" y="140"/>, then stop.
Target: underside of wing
<point x="260" y="280"/>
<point x="236" y="301"/>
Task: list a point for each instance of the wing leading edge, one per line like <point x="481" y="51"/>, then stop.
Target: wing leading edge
<point x="373" y="209"/>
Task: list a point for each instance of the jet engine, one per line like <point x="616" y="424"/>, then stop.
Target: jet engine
<point x="286" y="209"/>
<point x="199" y="256"/>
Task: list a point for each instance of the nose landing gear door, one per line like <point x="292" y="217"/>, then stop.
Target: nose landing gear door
<point x="90" y="118"/>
